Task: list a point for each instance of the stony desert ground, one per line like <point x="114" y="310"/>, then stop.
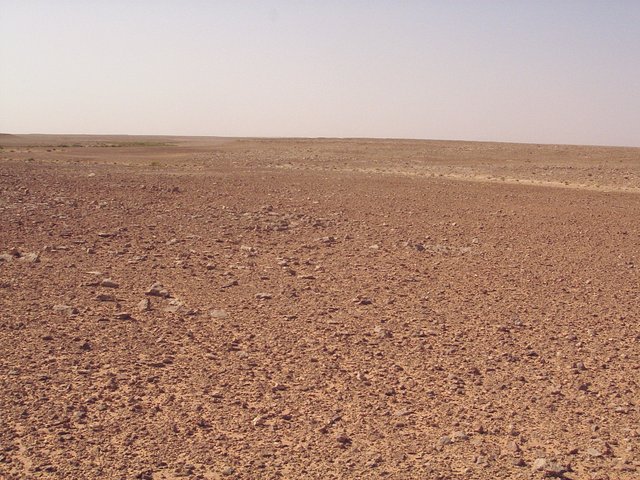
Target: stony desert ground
<point x="318" y="309"/>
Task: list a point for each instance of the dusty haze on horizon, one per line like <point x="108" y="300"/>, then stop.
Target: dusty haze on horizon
<point x="543" y="72"/>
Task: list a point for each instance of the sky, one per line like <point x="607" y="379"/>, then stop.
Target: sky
<point x="537" y="71"/>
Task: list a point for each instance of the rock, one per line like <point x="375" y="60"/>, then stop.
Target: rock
<point x="343" y="440"/>
<point x="549" y="468"/>
<point x="459" y="436"/>
<point x="374" y="462"/>
<point x="518" y="462"/>
<point x="106" y="234"/>
<point x="382" y="332"/>
<point x="479" y="428"/>
<point x="157" y="290"/>
<point x="86" y="346"/>
<point x="230" y="284"/>
<point x="444" y="440"/>
<point x="258" y="421"/>
<point x="594" y="452"/>
<point x="218" y="314"/>
<point x="263" y="296"/>
<point x="328" y="240"/>
<point x="144" y="305"/>
<point x="108" y="283"/>
<point x="123" y="316"/>
<point x="512" y="447"/>
<point x="15" y="254"/>
<point x="579" y="366"/>
<point x="30" y="258"/>
<point x="175" y="308"/>
<point x="539" y="464"/>
<point x="105" y="297"/>
<point x="65" y="309"/>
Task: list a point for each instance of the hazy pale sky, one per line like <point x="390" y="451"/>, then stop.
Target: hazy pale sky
<point x="554" y="71"/>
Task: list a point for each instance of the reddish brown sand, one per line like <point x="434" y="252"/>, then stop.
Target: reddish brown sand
<point x="337" y="309"/>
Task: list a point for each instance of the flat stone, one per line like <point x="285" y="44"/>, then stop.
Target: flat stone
<point x="105" y="297"/>
<point x="219" y="314"/>
<point x="108" y="283"/>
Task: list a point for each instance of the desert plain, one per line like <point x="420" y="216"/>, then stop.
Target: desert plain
<point x="213" y="308"/>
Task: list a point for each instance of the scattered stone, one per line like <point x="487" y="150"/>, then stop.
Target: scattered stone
<point x="444" y="440"/>
<point x="258" y="421"/>
<point x="230" y="284"/>
<point x="108" y="283"/>
<point x="175" y="308"/>
<point x="202" y="423"/>
<point x="218" y="314"/>
<point x="518" y="462"/>
<point x="539" y="464"/>
<point x="144" y="305"/>
<point x="263" y="296"/>
<point x="512" y="447"/>
<point x="579" y="366"/>
<point x="157" y="290"/>
<point x="382" y="332"/>
<point x="86" y="346"/>
<point x="479" y="428"/>
<point x="105" y="297"/>
<point x="328" y="240"/>
<point x="106" y="234"/>
<point x="30" y="258"/>
<point x="343" y="440"/>
<point x="459" y="436"/>
<point x="15" y="254"/>
<point x="65" y="309"/>
<point x="123" y="316"/>
<point x="594" y="452"/>
<point x="549" y="468"/>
